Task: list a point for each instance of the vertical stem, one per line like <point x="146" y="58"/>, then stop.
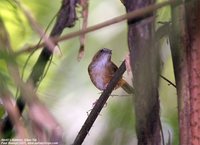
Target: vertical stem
<point x="179" y="54"/>
<point x="185" y="48"/>
<point x="193" y="47"/>
<point x="145" y="67"/>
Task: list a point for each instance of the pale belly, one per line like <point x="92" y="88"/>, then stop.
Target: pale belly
<point x="99" y="83"/>
<point x="100" y="80"/>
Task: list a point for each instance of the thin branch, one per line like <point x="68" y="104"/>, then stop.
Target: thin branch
<point x="171" y="83"/>
<point x="132" y="15"/>
<point x="99" y="105"/>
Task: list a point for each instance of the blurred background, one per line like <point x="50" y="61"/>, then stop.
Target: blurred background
<point x="67" y="90"/>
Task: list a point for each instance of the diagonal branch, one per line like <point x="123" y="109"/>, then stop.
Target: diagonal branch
<point x="167" y="80"/>
<point x="99" y="105"/>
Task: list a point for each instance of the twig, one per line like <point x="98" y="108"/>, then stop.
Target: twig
<point x="132" y="15"/>
<point x="99" y="105"/>
<point x="161" y="32"/>
<point x="171" y="83"/>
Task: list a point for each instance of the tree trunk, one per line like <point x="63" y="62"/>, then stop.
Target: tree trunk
<point x="145" y="67"/>
<point x="185" y="47"/>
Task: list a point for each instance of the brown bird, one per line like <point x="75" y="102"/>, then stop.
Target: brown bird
<point x="102" y="69"/>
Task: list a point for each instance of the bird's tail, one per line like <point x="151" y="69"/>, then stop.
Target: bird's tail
<point x="127" y="88"/>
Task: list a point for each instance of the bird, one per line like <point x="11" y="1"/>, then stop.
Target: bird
<point x="102" y="69"/>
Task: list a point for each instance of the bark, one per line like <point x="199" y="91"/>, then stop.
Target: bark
<point x="185" y="47"/>
<point x="145" y="67"/>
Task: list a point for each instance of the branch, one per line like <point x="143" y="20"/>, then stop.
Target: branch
<point x="99" y="105"/>
<point x="144" y="58"/>
<point x="131" y="15"/>
<point x="170" y="82"/>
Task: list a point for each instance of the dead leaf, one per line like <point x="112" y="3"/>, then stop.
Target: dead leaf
<point x="84" y="4"/>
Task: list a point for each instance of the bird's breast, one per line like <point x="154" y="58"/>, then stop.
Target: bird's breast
<point x="99" y="76"/>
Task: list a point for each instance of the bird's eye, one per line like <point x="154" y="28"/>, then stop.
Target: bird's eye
<point x="101" y="50"/>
